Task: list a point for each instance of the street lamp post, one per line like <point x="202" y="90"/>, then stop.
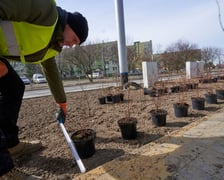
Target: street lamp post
<point x="122" y="54"/>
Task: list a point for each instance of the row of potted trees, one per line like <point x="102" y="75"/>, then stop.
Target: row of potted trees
<point x="84" y="139"/>
<point x="181" y="107"/>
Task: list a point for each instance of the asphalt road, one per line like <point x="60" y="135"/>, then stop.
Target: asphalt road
<point x="75" y="88"/>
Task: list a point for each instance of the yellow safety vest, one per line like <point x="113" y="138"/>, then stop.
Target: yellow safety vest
<point x="22" y="38"/>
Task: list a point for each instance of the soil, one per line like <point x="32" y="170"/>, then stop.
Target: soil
<point x="55" y="161"/>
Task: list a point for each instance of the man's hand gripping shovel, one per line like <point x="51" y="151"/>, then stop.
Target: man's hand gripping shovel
<point x="60" y="115"/>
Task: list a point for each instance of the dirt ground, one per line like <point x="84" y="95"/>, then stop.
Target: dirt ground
<point x="54" y="160"/>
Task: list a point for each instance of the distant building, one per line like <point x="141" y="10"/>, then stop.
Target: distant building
<point x="107" y="56"/>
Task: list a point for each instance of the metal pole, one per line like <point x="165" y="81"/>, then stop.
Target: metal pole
<point x="72" y="147"/>
<point x="122" y="54"/>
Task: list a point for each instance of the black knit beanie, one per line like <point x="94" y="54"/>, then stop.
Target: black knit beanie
<point x="79" y="25"/>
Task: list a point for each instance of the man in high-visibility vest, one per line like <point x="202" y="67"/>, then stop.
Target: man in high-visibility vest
<point x="31" y="31"/>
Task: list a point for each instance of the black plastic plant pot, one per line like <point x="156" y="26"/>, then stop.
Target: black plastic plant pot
<point x="159" y="117"/>
<point x="189" y="86"/>
<point x="102" y="100"/>
<point x="198" y="103"/>
<point x="128" y="127"/>
<point x="194" y="85"/>
<point x="205" y="80"/>
<point x="146" y="91"/>
<point x="84" y="141"/>
<point x="211" y="98"/>
<point x="109" y="98"/>
<point x="121" y="96"/>
<point x="214" y="79"/>
<point x="181" y="109"/>
<point x="116" y="98"/>
<point x="175" y="89"/>
<point x="220" y="93"/>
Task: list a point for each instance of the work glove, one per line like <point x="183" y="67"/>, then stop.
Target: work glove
<point x="63" y="106"/>
<point x="61" y="113"/>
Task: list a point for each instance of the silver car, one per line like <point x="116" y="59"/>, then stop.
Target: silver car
<point x="39" y="78"/>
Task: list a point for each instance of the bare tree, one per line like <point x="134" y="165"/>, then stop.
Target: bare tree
<point x="219" y="55"/>
<point x="178" y="53"/>
<point x="209" y="55"/>
<point x="26" y="69"/>
<point x="132" y="59"/>
<point x="64" y="67"/>
<point x="82" y="57"/>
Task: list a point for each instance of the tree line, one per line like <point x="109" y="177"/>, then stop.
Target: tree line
<point x="81" y="61"/>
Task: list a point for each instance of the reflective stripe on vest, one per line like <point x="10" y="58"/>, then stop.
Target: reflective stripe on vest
<point x="10" y="38"/>
<point x="22" y="38"/>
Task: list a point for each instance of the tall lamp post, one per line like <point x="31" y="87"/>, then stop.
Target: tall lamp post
<point x="122" y="53"/>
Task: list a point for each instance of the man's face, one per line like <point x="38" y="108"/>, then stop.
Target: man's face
<point x="70" y="37"/>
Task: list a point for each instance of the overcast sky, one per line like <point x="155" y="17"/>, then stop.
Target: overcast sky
<point x="162" y="21"/>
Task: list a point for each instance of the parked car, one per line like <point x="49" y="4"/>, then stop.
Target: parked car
<point x="163" y="71"/>
<point x="39" y="78"/>
<point x="135" y="72"/>
<point x="25" y="80"/>
<point x="96" y="75"/>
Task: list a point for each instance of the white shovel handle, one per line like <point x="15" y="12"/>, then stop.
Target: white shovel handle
<point x="72" y="147"/>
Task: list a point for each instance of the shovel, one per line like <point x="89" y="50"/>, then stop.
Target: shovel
<point x="70" y="144"/>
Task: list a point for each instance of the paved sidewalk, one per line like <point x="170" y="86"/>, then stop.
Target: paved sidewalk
<point x="196" y="152"/>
